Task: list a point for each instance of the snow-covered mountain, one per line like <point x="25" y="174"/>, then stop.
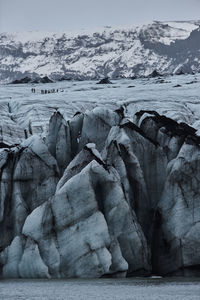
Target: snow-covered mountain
<point x="169" y="47"/>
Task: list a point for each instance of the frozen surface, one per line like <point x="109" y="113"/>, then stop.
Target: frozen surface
<point x="32" y="111"/>
<point x="67" y="192"/>
<point x="126" y="289"/>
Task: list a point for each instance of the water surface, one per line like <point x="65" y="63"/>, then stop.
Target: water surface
<point x="102" y="289"/>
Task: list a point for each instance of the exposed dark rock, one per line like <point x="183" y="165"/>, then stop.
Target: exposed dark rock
<point x="23" y="80"/>
<point x="177" y="85"/>
<point x="133" y="77"/>
<point x="104" y="81"/>
<point x="36" y="81"/>
<point x="180" y="72"/>
<point x="161" y="81"/>
<point x="3" y="145"/>
<point x="154" y="74"/>
<point x="77" y="113"/>
<point x="170" y="126"/>
<point x="46" y="79"/>
<point x="120" y="111"/>
<point x="142" y="112"/>
<point x="65" y="79"/>
<point x="191" y="82"/>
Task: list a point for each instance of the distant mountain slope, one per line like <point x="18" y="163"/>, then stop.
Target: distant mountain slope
<point x="168" y="47"/>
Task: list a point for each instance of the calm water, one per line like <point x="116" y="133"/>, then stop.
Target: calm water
<point x="105" y="289"/>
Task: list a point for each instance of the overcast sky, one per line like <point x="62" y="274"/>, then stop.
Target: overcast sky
<point x="59" y="15"/>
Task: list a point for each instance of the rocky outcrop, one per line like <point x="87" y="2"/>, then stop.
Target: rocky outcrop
<point x="100" y="196"/>
<point x="44" y="79"/>
<point x="22" y="80"/>
<point x="155" y="74"/>
<point x="38" y="79"/>
<point x="104" y="81"/>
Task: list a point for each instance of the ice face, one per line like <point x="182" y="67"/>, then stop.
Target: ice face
<point x="110" y="191"/>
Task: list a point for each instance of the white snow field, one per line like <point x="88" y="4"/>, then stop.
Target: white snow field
<point x="101" y="289"/>
<point x="21" y="109"/>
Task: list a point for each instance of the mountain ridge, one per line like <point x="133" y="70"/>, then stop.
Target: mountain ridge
<point x="114" y="52"/>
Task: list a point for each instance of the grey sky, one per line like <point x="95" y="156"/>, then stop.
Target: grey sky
<point x="59" y="15"/>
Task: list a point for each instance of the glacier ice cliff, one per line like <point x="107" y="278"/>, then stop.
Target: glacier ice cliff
<point x="102" y="194"/>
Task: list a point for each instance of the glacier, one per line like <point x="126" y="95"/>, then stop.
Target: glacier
<point x="100" y="181"/>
